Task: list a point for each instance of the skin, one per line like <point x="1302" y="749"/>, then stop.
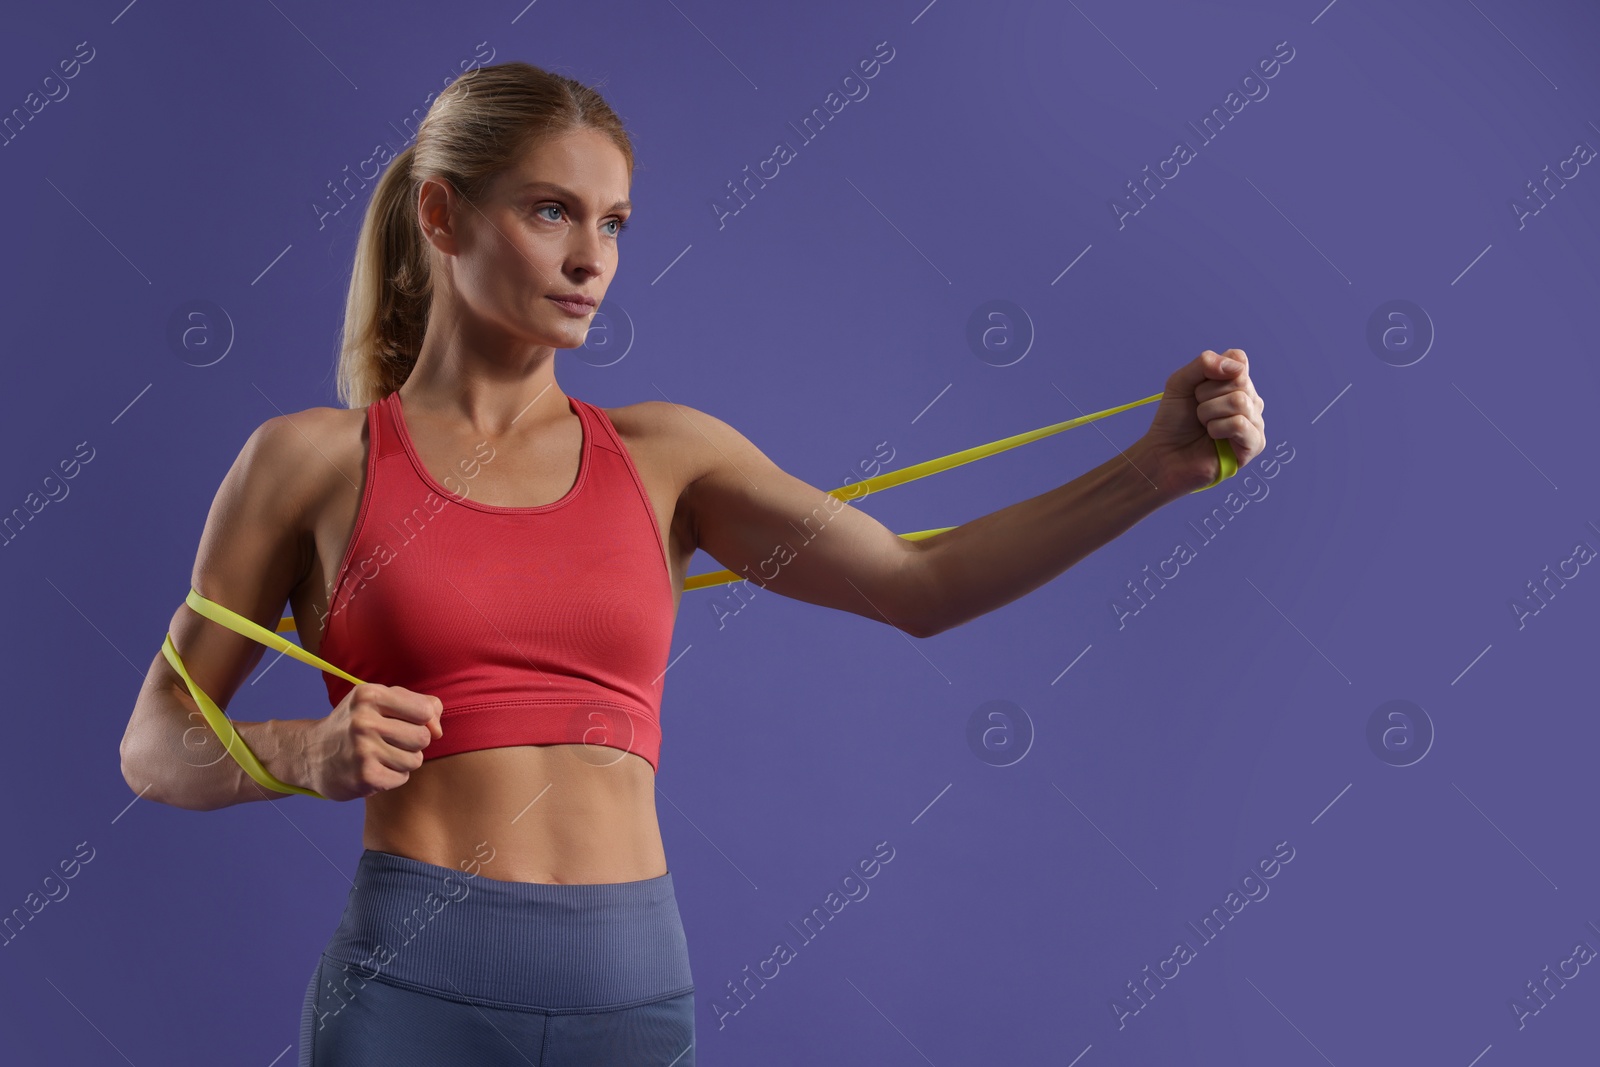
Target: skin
<point x="486" y="373"/>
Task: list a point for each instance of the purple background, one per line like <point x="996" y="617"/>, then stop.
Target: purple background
<point x="831" y="313"/>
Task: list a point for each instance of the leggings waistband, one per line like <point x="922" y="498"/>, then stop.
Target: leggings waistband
<point x="535" y="945"/>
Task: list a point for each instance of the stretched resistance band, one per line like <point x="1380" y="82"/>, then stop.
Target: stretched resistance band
<point x="1228" y="465"/>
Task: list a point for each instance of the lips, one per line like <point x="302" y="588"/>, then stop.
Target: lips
<point x="572" y="306"/>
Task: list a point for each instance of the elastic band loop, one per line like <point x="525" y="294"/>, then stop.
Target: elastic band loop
<point x="1227" y="466"/>
<point x="223" y="727"/>
<point x="234" y="743"/>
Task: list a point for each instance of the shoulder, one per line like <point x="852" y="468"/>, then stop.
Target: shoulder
<point x="266" y="508"/>
<point x="691" y="441"/>
<point x="647" y="418"/>
<point x="297" y="456"/>
<point x="295" y="438"/>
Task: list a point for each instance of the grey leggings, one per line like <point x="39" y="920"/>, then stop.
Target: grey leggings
<point x="431" y="965"/>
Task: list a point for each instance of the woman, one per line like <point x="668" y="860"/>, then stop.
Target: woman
<point x="512" y="903"/>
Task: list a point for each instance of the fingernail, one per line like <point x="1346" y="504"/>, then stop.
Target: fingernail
<point x="1231" y="366"/>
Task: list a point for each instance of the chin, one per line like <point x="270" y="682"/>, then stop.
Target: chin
<point x="570" y="333"/>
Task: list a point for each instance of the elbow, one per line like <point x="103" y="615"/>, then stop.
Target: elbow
<point x="136" y="773"/>
<point x="918" y="626"/>
<point x="918" y="622"/>
<point x="146" y="775"/>
<point x="920" y="605"/>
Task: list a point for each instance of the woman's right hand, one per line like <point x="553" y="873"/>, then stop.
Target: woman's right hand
<point x="371" y="741"/>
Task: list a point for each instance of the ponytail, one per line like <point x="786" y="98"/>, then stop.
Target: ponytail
<point x="386" y="312"/>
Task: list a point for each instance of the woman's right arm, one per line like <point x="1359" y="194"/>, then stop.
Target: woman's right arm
<point x="256" y="547"/>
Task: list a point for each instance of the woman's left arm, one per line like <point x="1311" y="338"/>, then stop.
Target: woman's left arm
<point x="781" y="533"/>
<point x="1006" y="554"/>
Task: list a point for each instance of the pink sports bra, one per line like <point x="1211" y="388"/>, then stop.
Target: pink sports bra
<point x="533" y="625"/>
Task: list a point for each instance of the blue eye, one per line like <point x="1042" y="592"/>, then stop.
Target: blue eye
<point x="621" y="224"/>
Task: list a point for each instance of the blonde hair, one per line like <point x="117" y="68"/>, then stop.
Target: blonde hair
<point x="473" y="131"/>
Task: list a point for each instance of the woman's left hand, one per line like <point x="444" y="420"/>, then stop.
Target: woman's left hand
<point x="1203" y="403"/>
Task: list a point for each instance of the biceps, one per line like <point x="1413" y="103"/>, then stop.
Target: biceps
<point x="785" y="535"/>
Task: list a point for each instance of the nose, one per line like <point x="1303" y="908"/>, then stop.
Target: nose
<point x="586" y="255"/>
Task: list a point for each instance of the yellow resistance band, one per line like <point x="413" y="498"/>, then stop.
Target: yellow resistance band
<point x="1228" y="465"/>
<point x="214" y="715"/>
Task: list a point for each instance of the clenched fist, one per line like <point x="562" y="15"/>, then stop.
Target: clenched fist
<point x="1208" y="399"/>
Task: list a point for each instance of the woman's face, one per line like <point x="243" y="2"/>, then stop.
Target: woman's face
<point x="547" y="227"/>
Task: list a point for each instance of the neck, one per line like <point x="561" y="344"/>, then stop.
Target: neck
<point x="484" y="378"/>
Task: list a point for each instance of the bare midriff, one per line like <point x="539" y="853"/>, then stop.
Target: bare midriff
<point x="565" y="813"/>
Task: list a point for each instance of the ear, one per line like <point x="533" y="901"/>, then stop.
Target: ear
<point x="438" y="208"/>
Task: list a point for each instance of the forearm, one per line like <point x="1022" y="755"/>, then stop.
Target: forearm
<point x="995" y="559"/>
<point x="176" y="758"/>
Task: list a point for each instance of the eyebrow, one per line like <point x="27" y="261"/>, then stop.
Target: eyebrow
<point x="620" y="205"/>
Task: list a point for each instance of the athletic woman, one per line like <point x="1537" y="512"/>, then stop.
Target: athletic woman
<point x="504" y="562"/>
